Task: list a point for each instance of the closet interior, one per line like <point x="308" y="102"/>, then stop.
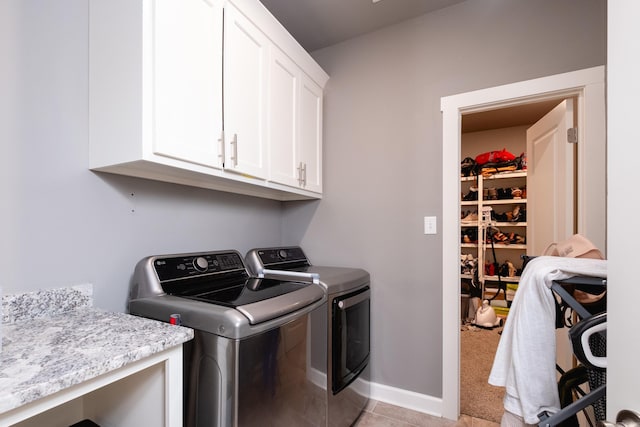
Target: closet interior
<point x="493" y="208"/>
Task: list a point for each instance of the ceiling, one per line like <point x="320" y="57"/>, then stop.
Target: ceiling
<point x="519" y="115"/>
<point x="316" y="24"/>
<point x="320" y="23"/>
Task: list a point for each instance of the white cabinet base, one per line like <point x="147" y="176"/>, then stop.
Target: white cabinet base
<point x="147" y="392"/>
<point x="236" y="183"/>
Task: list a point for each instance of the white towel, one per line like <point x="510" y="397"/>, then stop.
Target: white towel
<point x="526" y="356"/>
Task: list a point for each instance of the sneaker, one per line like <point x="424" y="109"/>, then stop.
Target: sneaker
<point x="471" y="217"/>
<point x="471" y="195"/>
<point x="515" y="215"/>
<point x="516" y="193"/>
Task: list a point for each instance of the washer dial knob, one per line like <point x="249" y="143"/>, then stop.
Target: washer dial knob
<point x="201" y="264"/>
<point x="282" y="254"/>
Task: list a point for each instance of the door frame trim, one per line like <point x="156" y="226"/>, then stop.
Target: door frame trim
<point x="588" y="87"/>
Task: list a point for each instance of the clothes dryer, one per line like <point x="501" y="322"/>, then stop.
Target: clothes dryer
<point x="345" y="374"/>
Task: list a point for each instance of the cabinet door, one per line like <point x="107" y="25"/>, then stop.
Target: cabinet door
<point x="283" y="120"/>
<point x="245" y="96"/>
<point x="186" y="119"/>
<point x="310" y="144"/>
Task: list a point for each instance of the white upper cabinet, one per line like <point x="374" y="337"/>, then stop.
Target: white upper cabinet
<point x="310" y="143"/>
<point x="295" y="123"/>
<point x="246" y="51"/>
<point x="284" y="79"/>
<point x="208" y="93"/>
<point x="155" y="77"/>
<point x="187" y="80"/>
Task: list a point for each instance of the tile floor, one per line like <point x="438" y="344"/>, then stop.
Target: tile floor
<point x="379" y="414"/>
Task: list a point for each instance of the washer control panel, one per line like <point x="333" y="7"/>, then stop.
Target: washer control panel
<point x="191" y="265"/>
<point x="275" y="256"/>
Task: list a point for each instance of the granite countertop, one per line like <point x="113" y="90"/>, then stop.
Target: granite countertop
<point x="55" y="339"/>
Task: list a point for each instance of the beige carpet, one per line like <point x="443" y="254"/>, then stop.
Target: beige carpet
<point x="478" y="398"/>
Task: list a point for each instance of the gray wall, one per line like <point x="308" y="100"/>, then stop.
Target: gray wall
<point x="62" y="224"/>
<point x="383" y="137"/>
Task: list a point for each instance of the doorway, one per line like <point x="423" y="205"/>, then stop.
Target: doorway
<point x="587" y="87"/>
<point x="536" y="131"/>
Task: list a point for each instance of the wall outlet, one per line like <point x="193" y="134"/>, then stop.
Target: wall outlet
<point x="430" y="225"/>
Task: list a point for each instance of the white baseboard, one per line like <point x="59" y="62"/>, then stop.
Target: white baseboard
<point x="391" y="395"/>
<point x="407" y="399"/>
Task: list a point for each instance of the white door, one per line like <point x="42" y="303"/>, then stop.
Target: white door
<point x="551" y="193"/>
<point x="187" y="87"/>
<point x="245" y="94"/>
<point x="623" y="346"/>
<point x="550" y="179"/>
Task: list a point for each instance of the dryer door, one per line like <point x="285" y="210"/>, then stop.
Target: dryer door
<point x="350" y="337"/>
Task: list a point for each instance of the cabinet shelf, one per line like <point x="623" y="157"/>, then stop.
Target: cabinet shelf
<point x="511" y="224"/>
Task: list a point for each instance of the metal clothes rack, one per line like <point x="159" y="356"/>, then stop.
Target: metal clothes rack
<point x="596" y="396"/>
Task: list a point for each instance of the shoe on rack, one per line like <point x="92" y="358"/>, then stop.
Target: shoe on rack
<point x="493" y="194"/>
<point x="512" y="269"/>
<point x="507" y="269"/>
<point x="471" y="195"/>
<point x="467" y="263"/>
<point x="516" y="193"/>
<point x="469" y="235"/>
<point x="468" y="167"/>
<point x="504" y="270"/>
<point x="515" y="215"/>
<point x="489" y="269"/>
<point x="501" y="238"/>
<point x="471" y="217"/>
<point x="504" y="193"/>
<point x="500" y="217"/>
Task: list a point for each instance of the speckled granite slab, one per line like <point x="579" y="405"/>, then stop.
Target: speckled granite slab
<point x="44" y="354"/>
<point x="45" y="303"/>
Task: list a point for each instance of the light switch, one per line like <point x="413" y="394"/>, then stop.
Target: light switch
<point x="430" y="225"/>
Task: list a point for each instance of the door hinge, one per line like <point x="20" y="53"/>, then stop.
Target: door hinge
<point x="572" y="135"/>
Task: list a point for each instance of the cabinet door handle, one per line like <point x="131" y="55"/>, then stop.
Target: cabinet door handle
<point x="304" y="174"/>
<point x="221" y="152"/>
<point x="300" y="179"/>
<point x="234" y="142"/>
